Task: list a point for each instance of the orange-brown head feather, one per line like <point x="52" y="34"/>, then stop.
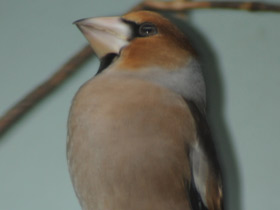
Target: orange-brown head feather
<point x="147" y="45"/>
<point x="169" y="48"/>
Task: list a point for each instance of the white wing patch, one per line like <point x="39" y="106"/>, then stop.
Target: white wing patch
<point x="200" y="170"/>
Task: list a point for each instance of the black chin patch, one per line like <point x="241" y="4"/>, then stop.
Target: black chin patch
<point x="106" y="61"/>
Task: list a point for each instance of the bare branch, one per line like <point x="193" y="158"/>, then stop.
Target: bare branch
<point x="25" y="104"/>
<point x="72" y="65"/>
<point x="178" y="6"/>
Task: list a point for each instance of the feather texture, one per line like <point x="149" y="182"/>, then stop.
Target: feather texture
<point x="137" y="134"/>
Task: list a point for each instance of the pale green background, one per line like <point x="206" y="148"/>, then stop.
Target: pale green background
<point x="36" y="37"/>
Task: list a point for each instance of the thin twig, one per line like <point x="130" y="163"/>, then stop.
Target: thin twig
<point x="178" y="6"/>
<point x="72" y="65"/>
<point x="25" y="104"/>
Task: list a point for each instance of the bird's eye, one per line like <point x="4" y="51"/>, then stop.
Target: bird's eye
<point x="147" y="29"/>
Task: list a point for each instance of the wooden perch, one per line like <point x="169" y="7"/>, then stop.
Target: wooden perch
<point x="72" y="65"/>
<point x="31" y="99"/>
<point x="179" y="6"/>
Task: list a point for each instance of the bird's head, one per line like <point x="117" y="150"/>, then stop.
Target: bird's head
<point x="137" y="40"/>
<point x="145" y="44"/>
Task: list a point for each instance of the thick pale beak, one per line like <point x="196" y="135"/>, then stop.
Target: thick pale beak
<point x="105" y="34"/>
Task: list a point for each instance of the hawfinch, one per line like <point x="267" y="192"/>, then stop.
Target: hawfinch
<point x="137" y="132"/>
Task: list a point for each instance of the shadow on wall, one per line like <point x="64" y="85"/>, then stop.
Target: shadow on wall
<point x="215" y="107"/>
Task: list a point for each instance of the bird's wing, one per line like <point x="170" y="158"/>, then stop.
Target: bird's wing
<point x="205" y="187"/>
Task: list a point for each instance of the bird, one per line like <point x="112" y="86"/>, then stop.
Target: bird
<point x="138" y="137"/>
